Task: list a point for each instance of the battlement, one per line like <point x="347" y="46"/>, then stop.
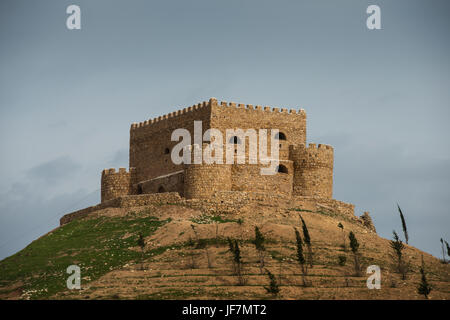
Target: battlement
<point x="226" y="104"/>
<point x="214" y="103"/>
<point x="314" y="151"/>
<point x="312" y="146"/>
<point x="171" y="115"/>
<point x="112" y="171"/>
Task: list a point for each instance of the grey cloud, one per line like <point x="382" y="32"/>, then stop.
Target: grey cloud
<point x="54" y="171"/>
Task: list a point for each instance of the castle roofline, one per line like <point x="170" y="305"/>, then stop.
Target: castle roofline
<point x="212" y="102"/>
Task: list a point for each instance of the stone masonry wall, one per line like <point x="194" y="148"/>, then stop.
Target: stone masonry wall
<point x="202" y="180"/>
<point x="231" y="116"/>
<point x="173" y="182"/>
<point x="151" y="145"/>
<point x="248" y="177"/>
<point x="313" y="168"/>
<point x="114" y="184"/>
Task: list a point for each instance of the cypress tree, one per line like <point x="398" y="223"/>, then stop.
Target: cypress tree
<point x="259" y="244"/>
<point x="300" y="257"/>
<point x="405" y="230"/>
<point x="307" y="241"/>
<point x="341" y="226"/>
<point x="238" y="262"/>
<point x="448" y="248"/>
<point x="354" y="245"/>
<point x="273" y="287"/>
<point x="443" y="251"/>
<point x="424" y="287"/>
<point x="398" y="247"/>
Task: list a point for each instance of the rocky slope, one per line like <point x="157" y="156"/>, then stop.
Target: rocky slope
<point x="180" y="241"/>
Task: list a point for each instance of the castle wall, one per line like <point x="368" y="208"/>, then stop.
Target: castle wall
<point x="248" y="177"/>
<point x="231" y="116"/>
<point x="310" y="169"/>
<point x="150" y="139"/>
<point x="151" y="145"/>
<point x="115" y="184"/>
<point x="313" y="167"/>
<point x="173" y="182"/>
<point x="202" y="180"/>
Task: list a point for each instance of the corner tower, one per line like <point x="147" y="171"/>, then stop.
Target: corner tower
<point x="313" y="170"/>
<point x="115" y="184"/>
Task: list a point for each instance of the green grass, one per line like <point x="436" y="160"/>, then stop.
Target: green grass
<point x="300" y="210"/>
<point x="96" y="245"/>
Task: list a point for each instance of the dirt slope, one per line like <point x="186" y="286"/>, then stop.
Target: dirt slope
<point x="177" y="267"/>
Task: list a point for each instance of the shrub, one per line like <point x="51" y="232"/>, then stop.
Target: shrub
<point x="342" y="260"/>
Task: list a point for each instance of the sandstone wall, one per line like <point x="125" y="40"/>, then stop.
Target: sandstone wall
<point x="151" y="145"/>
<point x="114" y="184"/>
<point x="202" y="180"/>
<point x="291" y="123"/>
<point x="248" y="177"/>
<point x="313" y="170"/>
<point x="173" y="182"/>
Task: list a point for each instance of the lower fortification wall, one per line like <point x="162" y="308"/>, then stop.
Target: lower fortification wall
<point x="226" y="202"/>
<point x="248" y="177"/>
<point x="325" y="205"/>
<point x="173" y="182"/>
<point x="124" y="202"/>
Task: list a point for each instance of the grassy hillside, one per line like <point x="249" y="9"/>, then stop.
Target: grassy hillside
<point x="187" y="256"/>
<point x="97" y="245"/>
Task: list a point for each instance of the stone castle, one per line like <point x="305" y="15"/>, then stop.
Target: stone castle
<point x="302" y="171"/>
<point x="304" y="175"/>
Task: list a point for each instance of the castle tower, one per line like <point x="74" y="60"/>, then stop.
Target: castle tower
<point x="115" y="184"/>
<point x="313" y="170"/>
<point x="202" y="180"/>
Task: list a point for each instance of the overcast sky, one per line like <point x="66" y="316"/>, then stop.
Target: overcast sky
<point x="380" y="97"/>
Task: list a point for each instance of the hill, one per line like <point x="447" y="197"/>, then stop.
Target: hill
<point x="174" y="264"/>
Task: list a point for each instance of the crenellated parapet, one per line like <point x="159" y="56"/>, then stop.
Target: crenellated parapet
<point x="202" y="106"/>
<point x="115" y="184"/>
<point x="225" y="104"/>
<point x="172" y="115"/>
